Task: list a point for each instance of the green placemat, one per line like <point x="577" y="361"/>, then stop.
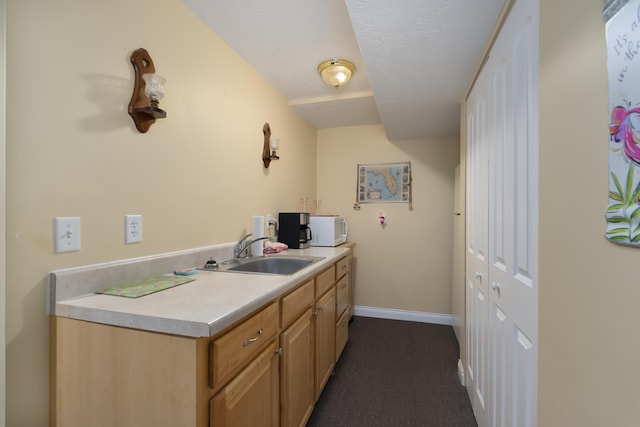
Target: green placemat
<point x="148" y="286"/>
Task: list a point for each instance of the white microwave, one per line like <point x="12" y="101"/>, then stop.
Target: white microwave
<point x="328" y="230"/>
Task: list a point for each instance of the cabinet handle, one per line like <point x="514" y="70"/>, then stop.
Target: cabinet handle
<point x="279" y="351"/>
<point x="479" y="276"/>
<point x="344" y="285"/>
<point x="252" y="340"/>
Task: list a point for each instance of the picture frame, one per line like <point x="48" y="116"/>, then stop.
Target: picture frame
<point x="384" y="183"/>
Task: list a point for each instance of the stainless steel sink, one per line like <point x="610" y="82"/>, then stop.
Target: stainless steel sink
<point x="284" y="265"/>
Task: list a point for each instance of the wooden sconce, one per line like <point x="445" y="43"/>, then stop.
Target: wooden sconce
<point x="267" y="145"/>
<point x="143" y="108"/>
<point x="266" y="154"/>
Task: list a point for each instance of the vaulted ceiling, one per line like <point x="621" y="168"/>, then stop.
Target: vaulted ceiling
<point x="414" y="58"/>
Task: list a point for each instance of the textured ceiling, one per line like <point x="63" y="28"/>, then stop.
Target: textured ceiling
<point x="414" y="58"/>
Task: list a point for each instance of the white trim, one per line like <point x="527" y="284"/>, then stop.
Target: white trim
<point x="412" y="316"/>
<point x="461" y="372"/>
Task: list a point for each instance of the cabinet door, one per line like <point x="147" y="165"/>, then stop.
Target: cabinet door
<point x="251" y="398"/>
<point x="325" y="338"/>
<point x="342" y="334"/>
<point x="342" y="294"/>
<point x="297" y="373"/>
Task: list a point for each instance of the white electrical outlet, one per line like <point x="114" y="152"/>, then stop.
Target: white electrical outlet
<point x="132" y="229"/>
<point x="66" y="234"/>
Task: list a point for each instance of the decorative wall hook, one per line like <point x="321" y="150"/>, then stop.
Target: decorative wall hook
<point x="147" y="91"/>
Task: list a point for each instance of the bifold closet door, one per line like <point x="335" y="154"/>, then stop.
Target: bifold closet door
<point x="513" y="220"/>
<point x="477" y="250"/>
<point x="503" y="367"/>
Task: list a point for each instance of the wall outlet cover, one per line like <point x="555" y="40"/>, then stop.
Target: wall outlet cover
<point x="132" y="229"/>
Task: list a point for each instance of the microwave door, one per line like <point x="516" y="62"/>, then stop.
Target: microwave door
<point x="343" y="229"/>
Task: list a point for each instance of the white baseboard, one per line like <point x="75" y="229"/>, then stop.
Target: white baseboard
<point x="461" y="372"/>
<point x="413" y="316"/>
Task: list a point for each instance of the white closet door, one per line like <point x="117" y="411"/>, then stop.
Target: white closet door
<point x="504" y="385"/>
<point x="477" y="251"/>
<point x="513" y="224"/>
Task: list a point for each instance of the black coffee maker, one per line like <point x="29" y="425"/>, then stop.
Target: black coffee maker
<point x="293" y="229"/>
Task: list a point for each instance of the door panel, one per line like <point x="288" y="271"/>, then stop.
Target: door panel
<point x="504" y="385"/>
<point x="477" y="252"/>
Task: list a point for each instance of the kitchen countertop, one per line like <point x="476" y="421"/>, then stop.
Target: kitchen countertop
<point x="201" y="308"/>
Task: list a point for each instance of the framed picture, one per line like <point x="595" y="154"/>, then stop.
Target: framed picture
<point x="384" y="183"/>
<point x="623" y="39"/>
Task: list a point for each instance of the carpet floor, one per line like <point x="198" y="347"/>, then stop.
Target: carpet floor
<point x="395" y="373"/>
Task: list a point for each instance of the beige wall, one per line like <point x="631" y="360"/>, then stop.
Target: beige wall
<point x="408" y="264"/>
<point x="72" y="150"/>
<point x="3" y="284"/>
<point x="589" y="288"/>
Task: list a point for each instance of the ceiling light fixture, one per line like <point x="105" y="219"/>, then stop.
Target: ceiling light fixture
<point x="336" y="72"/>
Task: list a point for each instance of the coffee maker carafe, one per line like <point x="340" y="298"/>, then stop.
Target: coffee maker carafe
<point x="293" y="229"/>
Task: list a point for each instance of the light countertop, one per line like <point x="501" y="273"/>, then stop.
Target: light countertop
<point x="201" y="308"/>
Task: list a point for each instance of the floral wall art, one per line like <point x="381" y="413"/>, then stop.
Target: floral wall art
<point x="623" y="60"/>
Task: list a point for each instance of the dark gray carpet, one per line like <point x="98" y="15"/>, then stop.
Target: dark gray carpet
<point x="394" y="373"/>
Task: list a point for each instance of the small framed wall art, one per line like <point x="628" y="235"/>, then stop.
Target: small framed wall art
<point x="384" y="183"/>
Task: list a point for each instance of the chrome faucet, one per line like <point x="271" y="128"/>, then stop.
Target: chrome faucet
<point x="240" y="249"/>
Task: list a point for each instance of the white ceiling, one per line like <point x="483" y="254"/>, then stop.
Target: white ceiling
<point x="414" y="58"/>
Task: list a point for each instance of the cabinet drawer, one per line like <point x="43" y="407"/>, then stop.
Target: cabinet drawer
<point x="343" y="266"/>
<point x="342" y="333"/>
<point x="295" y="303"/>
<point x="236" y="348"/>
<point x="342" y="295"/>
<point x="325" y="280"/>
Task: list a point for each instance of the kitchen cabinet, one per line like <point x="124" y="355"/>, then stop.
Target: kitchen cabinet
<point x="344" y="302"/>
<point x="297" y="376"/>
<point x="325" y="312"/>
<point x="235" y="348"/>
<point x="267" y="368"/>
<point x="297" y="356"/>
<point x="345" y="267"/>
<point x="251" y="398"/>
<point x="105" y="376"/>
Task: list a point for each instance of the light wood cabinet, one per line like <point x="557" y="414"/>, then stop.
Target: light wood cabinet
<point x="342" y="333"/>
<point x="251" y="398"/>
<point x="268" y="370"/>
<point x="342" y="295"/>
<point x="235" y="348"/>
<point x="105" y="376"/>
<point x="325" y="311"/>
<point x="297" y="376"/>
<point x="297" y="393"/>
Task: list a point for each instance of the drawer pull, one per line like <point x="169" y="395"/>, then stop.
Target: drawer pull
<point x="252" y="340"/>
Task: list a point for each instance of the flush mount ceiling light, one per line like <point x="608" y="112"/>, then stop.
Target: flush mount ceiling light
<point x="336" y="72"/>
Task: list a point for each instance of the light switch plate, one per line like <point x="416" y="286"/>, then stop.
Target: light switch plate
<point x="66" y="234"/>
